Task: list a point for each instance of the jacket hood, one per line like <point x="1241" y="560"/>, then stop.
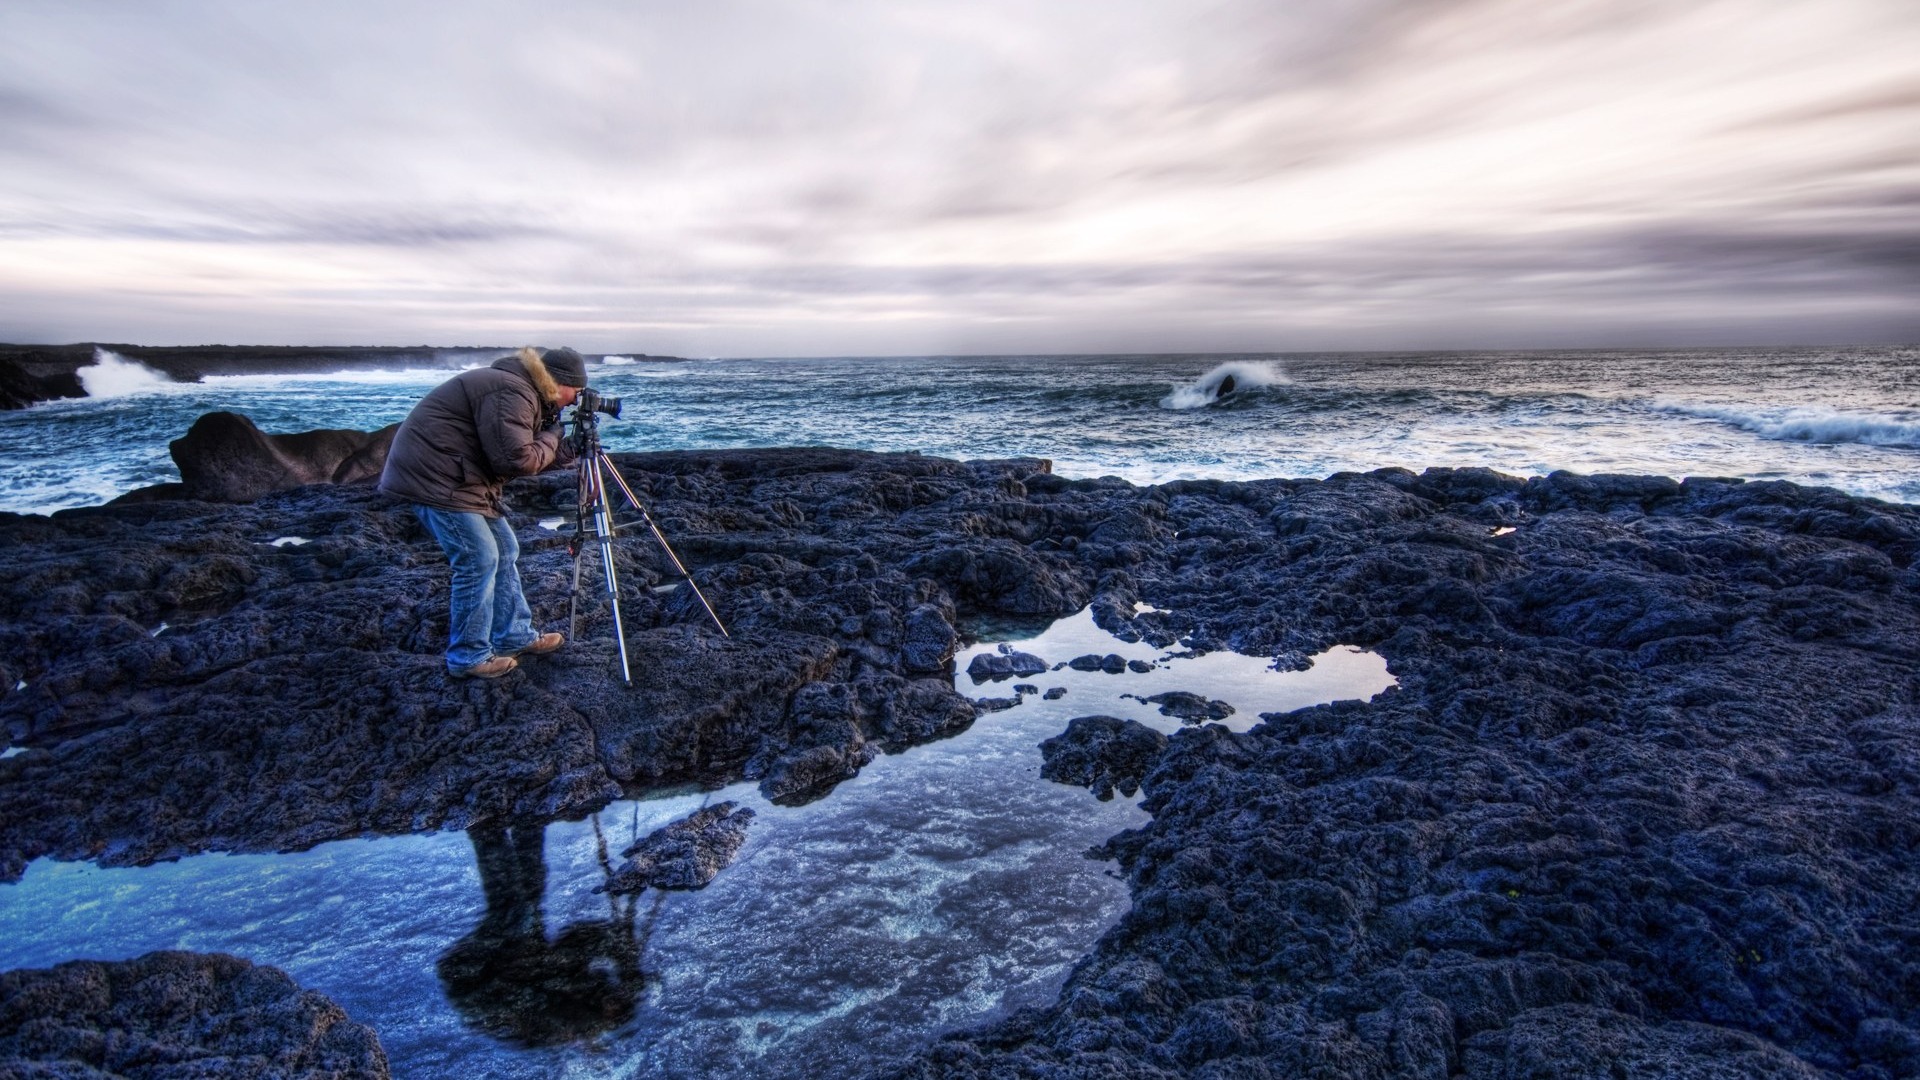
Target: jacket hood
<point x="528" y="361"/>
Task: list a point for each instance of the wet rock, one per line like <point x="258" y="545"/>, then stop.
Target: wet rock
<point x="1189" y="707"/>
<point x="1102" y="753"/>
<point x="994" y="704"/>
<point x="1646" y="788"/>
<point x="1055" y="693"/>
<point x="990" y="666"/>
<point x="687" y="854"/>
<point x="929" y="640"/>
<point x="1635" y="807"/>
<point x="303" y="691"/>
<point x="1112" y="663"/>
<point x="169" y="1014"/>
<point x="1139" y="667"/>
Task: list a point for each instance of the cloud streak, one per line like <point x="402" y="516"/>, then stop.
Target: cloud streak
<point x="808" y="178"/>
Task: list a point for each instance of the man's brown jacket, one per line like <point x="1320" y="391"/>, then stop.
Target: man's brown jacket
<point x="476" y="431"/>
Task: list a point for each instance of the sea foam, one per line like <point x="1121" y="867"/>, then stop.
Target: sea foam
<point x="1810" y="424"/>
<point x="112" y="375"/>
<point x="293" y="380"/>
<point x="1247" y="375"/>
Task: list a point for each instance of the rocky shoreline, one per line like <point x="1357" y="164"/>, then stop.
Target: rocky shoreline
<point x="30" y="374"/>
<point x="1646" y="800"/>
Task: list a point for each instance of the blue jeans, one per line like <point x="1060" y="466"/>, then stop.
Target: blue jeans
<point x="489" y="613"/>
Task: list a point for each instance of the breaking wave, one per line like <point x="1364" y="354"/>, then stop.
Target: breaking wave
<point x="1211" y="387"/>
<point x="112" y="375"/>
<point x="1810" y="424"/>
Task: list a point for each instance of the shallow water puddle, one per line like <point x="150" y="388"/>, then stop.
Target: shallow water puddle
<point x="1248" y="683"/>
<point x="943" y="886"/>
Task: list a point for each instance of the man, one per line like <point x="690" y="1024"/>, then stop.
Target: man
<point x="451" y="457"/>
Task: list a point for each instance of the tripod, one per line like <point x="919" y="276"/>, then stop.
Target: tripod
<point x="593" y="467"/>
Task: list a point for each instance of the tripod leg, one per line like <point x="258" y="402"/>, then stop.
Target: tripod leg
<point x="582" y="500"/>
<point x="603" y="535"/>
<point x="573" y="601"/>
<point x="662" y="538"/>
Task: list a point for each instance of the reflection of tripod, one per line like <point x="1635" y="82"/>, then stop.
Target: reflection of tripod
<point x="591" y="502"/>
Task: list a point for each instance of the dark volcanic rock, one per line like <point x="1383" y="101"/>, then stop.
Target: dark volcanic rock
<point x="32" y="374"/>
<point x="1102" y="753"/>
<point x="1004" y="666"/>
<point x="1112" y="663"/>
<point x="176" y="1014"/>
<point x="223" y="457"/>
<point x="687" y="854"/>
<point x="1643" y="802"/>
<point x="927" y="640"/>
<point x="1191" y="708"/>
<point x="300" y="694"/>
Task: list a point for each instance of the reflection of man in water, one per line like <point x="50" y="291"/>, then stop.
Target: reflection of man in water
<point x="509" y="981"/>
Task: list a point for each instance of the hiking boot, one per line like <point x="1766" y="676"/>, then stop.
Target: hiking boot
<point x="491" y="668"/>
<point x="539" y="646"/>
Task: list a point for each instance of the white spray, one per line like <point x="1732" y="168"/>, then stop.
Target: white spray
<point x="1211" y="387"/>
<point x="112" y="375"/>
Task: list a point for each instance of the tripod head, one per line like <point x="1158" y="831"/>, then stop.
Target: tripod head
<point x="585" y="435"/>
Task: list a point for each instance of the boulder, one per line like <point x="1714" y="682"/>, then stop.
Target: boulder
<point x="996" y="666"/>
<point x="1102" y="753"/>
<point x="1189" y="707"/>
<point x="171" y="1014"/>
<point x="224" y="457"/>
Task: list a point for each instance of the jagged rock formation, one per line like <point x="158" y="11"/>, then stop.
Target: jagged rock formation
<point x="29" y="375"/>
<point x="1644" y="801"/>
<point x="174" y="1014"/>
<point x="301" y="696"/>
<point x="1102" y="753"/>
<point x="225" y="457"/>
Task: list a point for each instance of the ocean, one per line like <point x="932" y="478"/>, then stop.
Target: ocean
<point x="1843" y="417"/>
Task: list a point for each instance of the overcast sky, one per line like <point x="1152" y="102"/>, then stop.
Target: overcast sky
<point x="854" y="177"/>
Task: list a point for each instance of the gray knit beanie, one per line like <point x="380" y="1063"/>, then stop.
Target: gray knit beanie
<point x="567" y="367"/>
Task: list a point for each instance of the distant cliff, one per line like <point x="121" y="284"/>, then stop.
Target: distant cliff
<point x="35" y="373"/>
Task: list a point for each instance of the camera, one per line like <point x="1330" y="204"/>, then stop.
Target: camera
<point x="585" y="435"/>
<point x="591" y="402"/>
